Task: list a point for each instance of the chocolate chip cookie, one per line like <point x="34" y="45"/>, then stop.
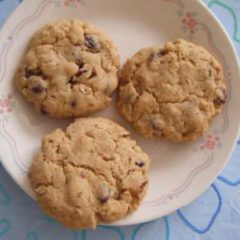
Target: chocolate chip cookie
<point x="92" y="173"/>
<point x="172" y="92"/>
<point x="69" y="69"/>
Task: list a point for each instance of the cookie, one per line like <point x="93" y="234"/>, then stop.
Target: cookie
<point x="69" y="69"/>
<point x="172" y="92"/>
<point x="92" y="173"/>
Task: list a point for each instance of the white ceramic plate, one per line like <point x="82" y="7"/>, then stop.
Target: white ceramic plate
<point x="179" y="172"/>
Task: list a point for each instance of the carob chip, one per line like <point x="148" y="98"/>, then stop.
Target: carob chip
<point x="43" y="110"/>
<point x="92" y="43"/>
<point x="156" y="55"/>
<point x="104" y="193"/>
<point x="140" y="163"/>
<point x="155" y="122"/>
<point x="38" y="89"/>
<point x="31" y="72"/>
<point x="221" y="99"/>
<point x="73" y="104"/>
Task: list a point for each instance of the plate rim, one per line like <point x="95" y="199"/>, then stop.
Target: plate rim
<point x="195" y="194"/>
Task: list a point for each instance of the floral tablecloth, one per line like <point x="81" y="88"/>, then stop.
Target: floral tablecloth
<point x="213" y="216"/>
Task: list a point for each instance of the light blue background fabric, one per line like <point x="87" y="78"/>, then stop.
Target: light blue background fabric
<point x="213" y="216"/>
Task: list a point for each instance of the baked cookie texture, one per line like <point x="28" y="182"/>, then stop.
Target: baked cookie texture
<point x="69" y="69"/>
<point x="92" y="173"/>
<point x="172" y="92"/>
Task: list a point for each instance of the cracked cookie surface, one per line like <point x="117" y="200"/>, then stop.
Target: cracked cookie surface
<point x="172" y="92"/>
<point x="90" y="174"/>
<point x="69" y="69"/>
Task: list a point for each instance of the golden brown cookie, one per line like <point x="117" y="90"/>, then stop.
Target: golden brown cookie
<point x="69" y="69"/>
<point x="172" y="92"/>
<point x="92" y="173"/>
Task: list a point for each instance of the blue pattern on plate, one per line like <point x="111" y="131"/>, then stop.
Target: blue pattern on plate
<point x="20" y="218"/>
